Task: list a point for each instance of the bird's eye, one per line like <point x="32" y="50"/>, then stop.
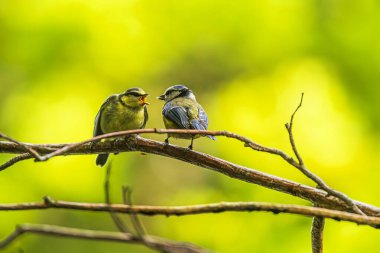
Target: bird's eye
<point x="135" y="94"/>
<point x="169" y="92"/>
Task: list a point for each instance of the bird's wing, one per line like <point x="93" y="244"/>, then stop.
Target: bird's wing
<point x="202" y="116"/>
<point x="201" y="123"/>
<point x="178" y="115"/>
<point x="97" y="128"/>
<point x="145" y="117"/>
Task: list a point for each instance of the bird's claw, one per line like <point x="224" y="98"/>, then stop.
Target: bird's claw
<point x="117" y="142"/>
<point x="129" y="137"/>
<point x="93" y="144"/>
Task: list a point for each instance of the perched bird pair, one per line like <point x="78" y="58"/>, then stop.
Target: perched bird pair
<point x="128" y="110"/>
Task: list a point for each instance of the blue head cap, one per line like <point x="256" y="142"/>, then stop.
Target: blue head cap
<point x="175" y="91"/>
<point x="178" y="87"/>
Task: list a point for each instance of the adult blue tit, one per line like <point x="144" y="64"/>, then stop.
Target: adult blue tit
<point x="182" y="111"/>
<point x="125" y="111"/>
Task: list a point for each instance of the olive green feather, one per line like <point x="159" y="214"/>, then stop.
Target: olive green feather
<point x="121" y="112"/>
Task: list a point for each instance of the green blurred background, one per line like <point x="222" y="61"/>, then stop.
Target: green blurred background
<point x="247" y="62"/>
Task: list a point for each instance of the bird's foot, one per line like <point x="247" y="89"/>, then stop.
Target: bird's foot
<point x="129" y="137"/>
<point x="191" y="144"/>
<point x="118" y="142"/>
<point x="93" y="144"/>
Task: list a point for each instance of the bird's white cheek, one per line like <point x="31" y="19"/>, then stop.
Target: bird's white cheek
<point x="191" y="95"/>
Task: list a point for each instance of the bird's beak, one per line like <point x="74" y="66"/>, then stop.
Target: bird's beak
<point x="161" y="97"/>
<point x="142" y="99"/>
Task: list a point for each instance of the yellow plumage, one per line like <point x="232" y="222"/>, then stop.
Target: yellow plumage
<point x="121" y="112"/>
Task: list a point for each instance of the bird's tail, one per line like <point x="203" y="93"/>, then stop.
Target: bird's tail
<point x="101" y="159"/>
<point x="199" y="126"/>
<point x="211" y="137"/>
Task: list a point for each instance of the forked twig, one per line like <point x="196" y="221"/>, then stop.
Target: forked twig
<point x="301" y="166"/>
<point x="26" y="147"/>
<point x="289" y="127"/>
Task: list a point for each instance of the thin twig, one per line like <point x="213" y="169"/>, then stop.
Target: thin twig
<point x="127" y="199"/>
<point x="289" y="127"/>
<point x="155" y="242"/>
<point x="317" y="234"/>
<point x="197" y="209"/>
<point x="14" y="160"/>
<point x="301" y="166"/>
<point x="116" y="219"/>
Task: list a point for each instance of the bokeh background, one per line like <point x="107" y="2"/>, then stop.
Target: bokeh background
<point x="247" y="62"/>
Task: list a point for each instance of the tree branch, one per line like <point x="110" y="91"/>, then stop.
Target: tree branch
<point x="51" y="150"/>
<point x="197" y="209"/>
<point x="140" y="144"/>
<point x="153" y="242"/>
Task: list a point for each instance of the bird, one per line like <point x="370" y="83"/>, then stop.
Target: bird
<point x="119" y="112"/>
<point x="182" y="111"/>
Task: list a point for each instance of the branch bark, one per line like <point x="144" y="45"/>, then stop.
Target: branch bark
<point x="317" y="234"/>
<point x="14" y="160"/>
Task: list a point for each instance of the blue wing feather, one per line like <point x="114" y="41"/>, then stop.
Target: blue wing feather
<point x="178" y="115"/>
<point x="202" y="122"/>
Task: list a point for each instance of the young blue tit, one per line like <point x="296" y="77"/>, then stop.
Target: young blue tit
<point x="182" y="111"/>
<point x="125" y="111"/>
